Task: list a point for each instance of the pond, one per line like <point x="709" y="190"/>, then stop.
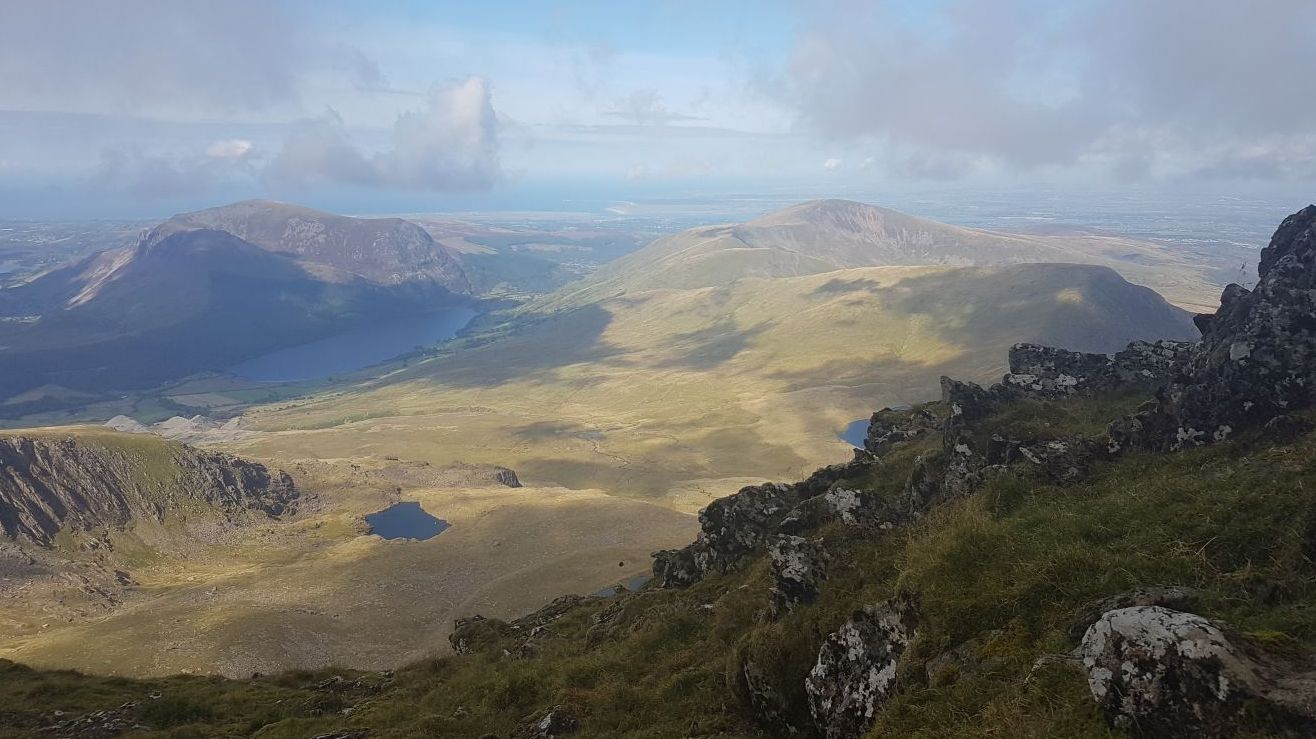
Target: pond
<point x="355" y="349"/>
<point x="855" y="433"/>
<point x="405" y="521"/>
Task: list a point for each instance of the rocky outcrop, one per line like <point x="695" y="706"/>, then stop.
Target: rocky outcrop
<point x="557" y="721"/>
<point x="856" y="669"/>
<point x="890" y="426"/>
<point x="471" y="634"/>
<point x="732" y="529"/>
<point x="1256" y="361"/>
<point x="48" y="484"/>
<point x="798" y="568"/>
<point x="1056" y="373"/>
<point x="1168" y="673"/>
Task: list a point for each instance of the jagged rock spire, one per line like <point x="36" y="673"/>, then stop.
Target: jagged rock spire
<point x="1256" y="363"/>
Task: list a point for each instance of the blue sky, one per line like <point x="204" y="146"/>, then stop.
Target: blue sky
<point x="145" y="107"/>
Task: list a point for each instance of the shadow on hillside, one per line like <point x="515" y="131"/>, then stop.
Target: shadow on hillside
<point x="1078" y="307"/>
<point x="529" y="346"/>
<point x="890" y="376"/>
<point x="838" y="286"/>
<point x="713" y="345"/>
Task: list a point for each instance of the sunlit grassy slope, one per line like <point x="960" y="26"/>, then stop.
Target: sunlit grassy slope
<point x="824" y="235"/>
<point x="678" y="396"/>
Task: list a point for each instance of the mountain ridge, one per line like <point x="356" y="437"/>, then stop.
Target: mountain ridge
<point x="190" y="295"/>
<point x="824" y="235"/>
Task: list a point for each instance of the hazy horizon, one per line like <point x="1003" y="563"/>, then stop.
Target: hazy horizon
<point x="144" y="109"/>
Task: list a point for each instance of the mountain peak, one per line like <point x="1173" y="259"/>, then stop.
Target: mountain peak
<point x="386" y="251"/>
<point x="825" y="211"/>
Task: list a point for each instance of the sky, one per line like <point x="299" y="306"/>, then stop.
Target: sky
<point x="140" y="108"/>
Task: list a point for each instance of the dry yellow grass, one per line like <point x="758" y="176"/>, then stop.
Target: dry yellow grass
<point x="317" y="592"/>
<point x="679" y="396"/>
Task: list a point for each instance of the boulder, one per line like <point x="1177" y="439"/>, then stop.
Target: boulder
<point x="1168" y="673"/>
<point x="889" y="427"/>
<point x="732" y="529"/>
<point x="856" y="670"/>
<point x="798" y="566"/>
<point x="1174" y="597"/>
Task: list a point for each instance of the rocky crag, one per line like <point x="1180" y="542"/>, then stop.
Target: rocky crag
<point x="103" y="483"/>
<point x="1150" y="668"/>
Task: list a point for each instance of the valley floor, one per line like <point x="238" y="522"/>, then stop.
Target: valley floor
<point x="318" y="591"/>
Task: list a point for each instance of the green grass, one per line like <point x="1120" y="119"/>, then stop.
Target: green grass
<point x="1000" y="577"/>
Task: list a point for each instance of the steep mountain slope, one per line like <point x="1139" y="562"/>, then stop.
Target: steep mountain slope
<point x="388" y="251"/>
<point x="1028" y="559"/>
<point x="824" y="235"/>
<point x="95" y="481"/>
<point x="189" y="297"/>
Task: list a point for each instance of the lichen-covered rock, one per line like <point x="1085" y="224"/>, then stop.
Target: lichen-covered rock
<point x="923" y="488"/>
<point x="557" y="721"/>
<point x="1061" y="460"/>
<point x="856" y="670"/>
<point x="732" y="529"/>
<point x="1151" y="363"/>
<point x="965" y="403"/>
<point x="858" y="508"/>
<point x="1055" y="373"/>
<point x="891" y="426"/>
<point x="1174" y="597"/>
<point x="1168" y="673"/>
<point x="798" y="567"/>
<point x="1256" y="359"/>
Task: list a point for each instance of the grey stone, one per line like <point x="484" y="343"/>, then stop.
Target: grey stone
<point x="857" y="665"/>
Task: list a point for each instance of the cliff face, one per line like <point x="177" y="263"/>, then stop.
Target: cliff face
<point x="386" y="251"/>
<point x="106" y="482"/>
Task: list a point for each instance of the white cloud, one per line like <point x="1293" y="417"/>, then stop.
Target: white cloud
<point x="229" y="149"/>
<point x="833" y="164"/>
<point x="450" y="144"/>
<point x="176" y="60"/>
<point x="1134" y="88"/>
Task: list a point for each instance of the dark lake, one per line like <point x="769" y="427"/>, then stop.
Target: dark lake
<point x="355" y="349"/>
<point x="855" y="432"/>
<point x="405" y="521"/>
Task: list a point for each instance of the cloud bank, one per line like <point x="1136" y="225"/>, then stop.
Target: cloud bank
<point x="449" y="144"/>
<point x="1136" y="88"/>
